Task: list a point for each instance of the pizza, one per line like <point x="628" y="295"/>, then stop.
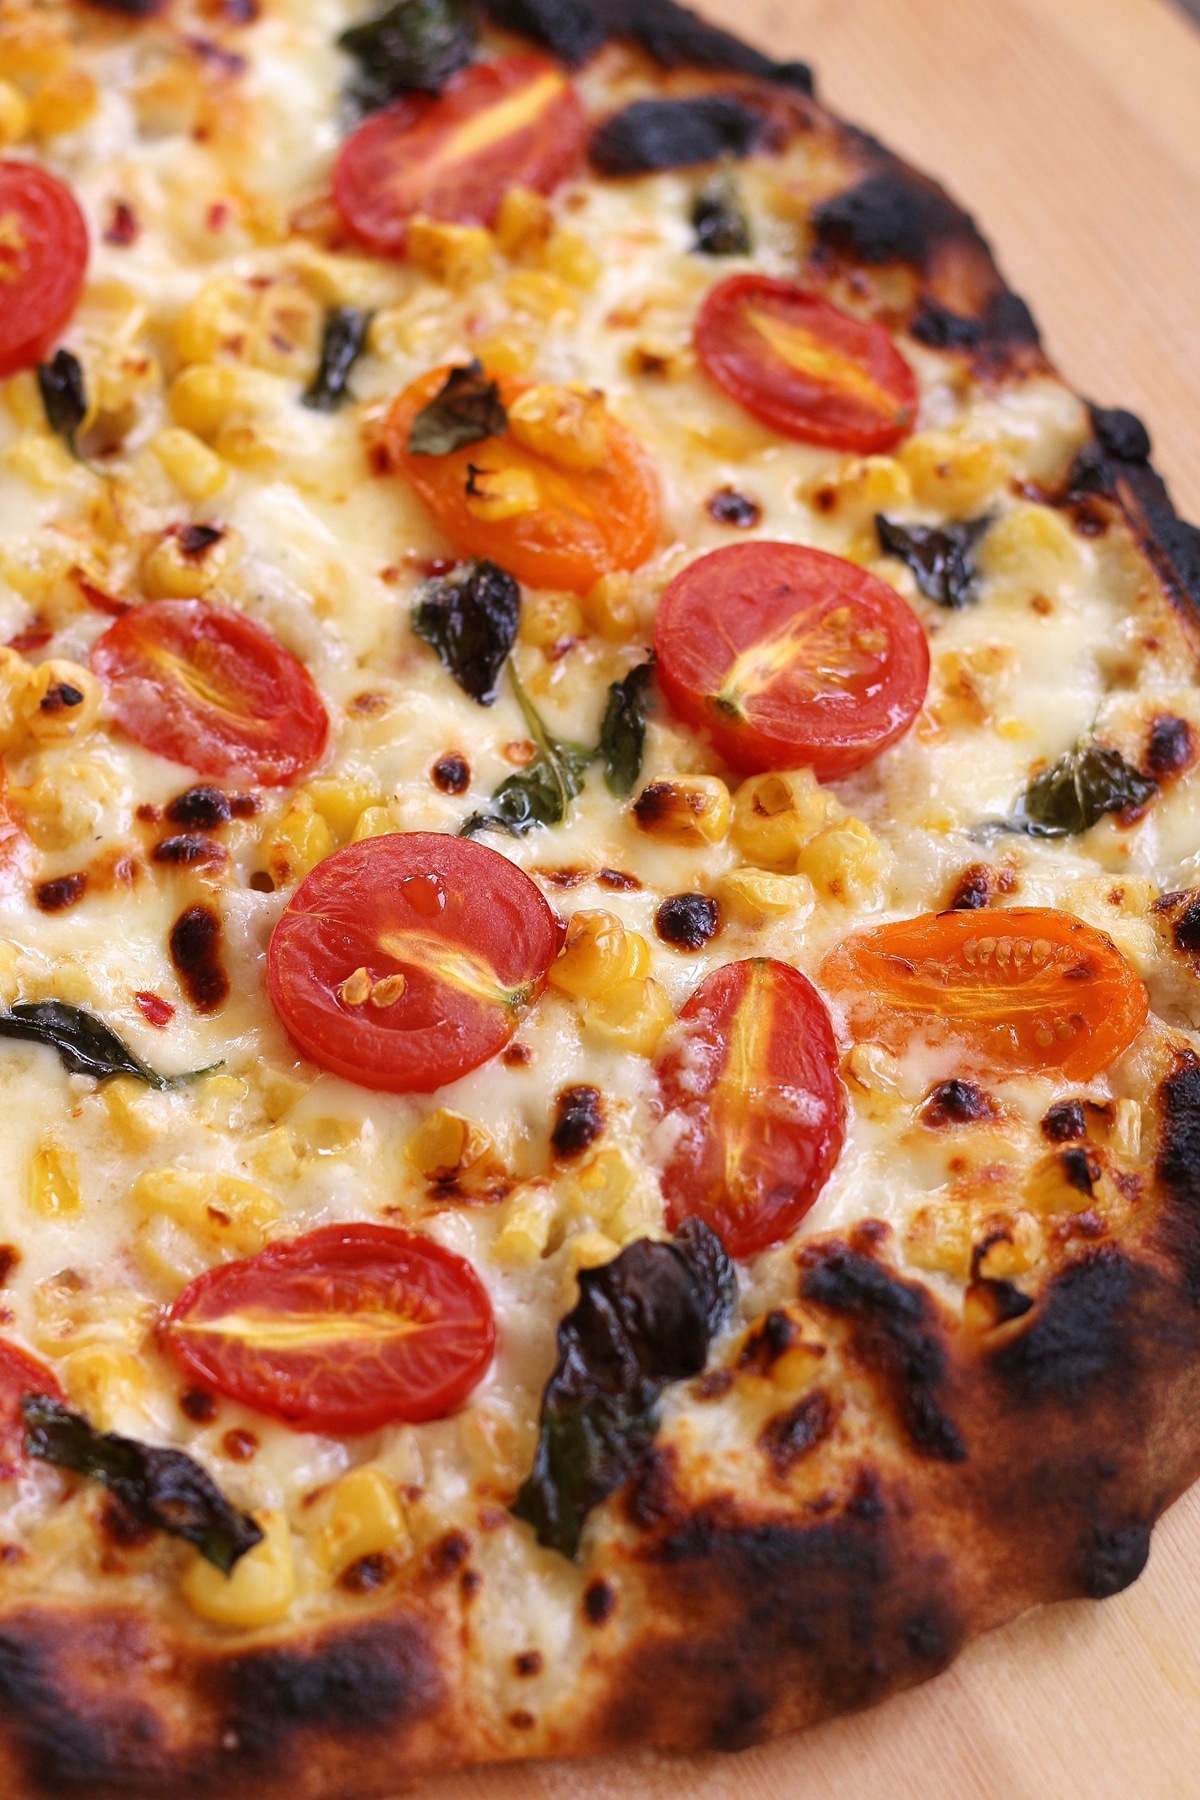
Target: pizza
<point x="599" y="912"/>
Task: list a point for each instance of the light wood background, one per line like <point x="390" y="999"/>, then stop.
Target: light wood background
<point x="1072" y="129"/>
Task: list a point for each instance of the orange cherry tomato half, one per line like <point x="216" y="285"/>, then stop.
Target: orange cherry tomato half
<point x="208" y="687"/>
<point x="805" y="368"/>
<point x="788" y="656"/>
<point x="493" y="126"/>
<point x="345" y="1330"/>
<point x="1023" y="991"/>
<point x="585" y="524"/>
<point x="43" y="256"/>
<point x="752" y="1085"/>
<point x="20" y="1375"/>
<point x="405" y="961"/>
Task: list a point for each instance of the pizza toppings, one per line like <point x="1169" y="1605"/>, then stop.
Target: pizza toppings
<point x="466" y="409"/>
<point x="85" y="1044"/>
<point x="343" y="341"/>
<point x="20" y="1376"/>
<point x="1079" y="789"/>
<point x="405" y="961"/>
<point x="623" y="730"/>
<point x="543" y="791"/>
<point x="675" y="134"/>
<point x="788" y="656"/>
<point x="494" y="125"/>
<point x="345" y="1330"/>
<point x="719" y="218"/>
<point x="163" y="1490"/>
<point x="43" y="258"/>
<point x="470" y="617"/>
<point x="206" y="686"/>
<point x="411" y="44"/>
<point x="938" y="555"/>
<point x="750" y="1079"/>
<point x="803" y="367"/>
<point x="1023" y="991"/>
<point x="642" y="1320"/>
<point x="64" y="398"/>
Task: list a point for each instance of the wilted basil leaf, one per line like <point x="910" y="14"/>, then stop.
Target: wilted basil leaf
<point x="642" y="1320"/>
<point x="938" y="555"/>
<point x="719" y="218"/>
<point x="64" y="397"/>
<point x="164" y="1490"/>
<point x="542" y="793"/>
<point x="1076" y="793"/>
<point x="85" y="1044"/>
<point x="470" y="617"/>
<point x="623" y="731"/>
<point x="466" y="409"/>
<point x="342" y="344"/>
<point x="413" y="44"/>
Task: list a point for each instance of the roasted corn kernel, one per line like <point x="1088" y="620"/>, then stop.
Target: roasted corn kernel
<point x="567" y="426"/>
<point x="775" y="815"/>
<point x="197" y="471"/>
<point x="457" y="255"/>
<point x="632" y="1015"/>
<point x="363" y="1517"/>
<point x="691" y="810"/>
<point x="597" y="953"/>
<point x="756" y="896"/>
<point x="223" y="1212"/>
<point x="261" y="1588"/>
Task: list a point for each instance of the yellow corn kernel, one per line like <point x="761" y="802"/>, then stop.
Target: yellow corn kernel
<point x="24" y="401"/>
<point x="876" y="1071"/>
<point x="527" y="1220"/>
<point x="342" y="800"/>
<point x="32" y="45"/>
<point x="65" y="803"/>
<point x="567" y="426"/>
<point x="16" y="680"/>
<point x="170" y="571"/>
<point x="299" y="841"/>
<point x="372" y="822"/>
<point x="541" y="295"/>
<point x="216" y="321"/>
<point x="287" y="330"/>
<point x="15" y="115"/>
<point x="54" y="1180"/>
<point x="197" y="471"/>
<point x="602" y="1188"/>
<point x="495" y="494"/>
<point x="204" y="395"/>
<point x="1011" y="1244"/>
<point x="547" y="617"/>
<point x="939" y="1239"/>
<point x="261" y="1588"/>
<point x="457" y="255"/>
<point x="756" y="896"/>
<point x="63" y="103"/>
<point x="672" y="358"/>
<point x="632" y="1015"/>
<point x="572" y="259"/>
<point x="40" y="459"/>
<point x="446" y="1144"/>
<point x="846" y="862"/>
<point x="273" y="1157"/>
<point x="950" y="473"/>
<point x="597" y="952"/>
<point x="1127" y="1129"/>
<point x="505" y="351"/>
<point x="61" y="702"/>
<point x="107" y="1384"/>
<point x="775" y="815"/>
<point x="1030" y="550"/>
<point x="590" y="1250"/>
<point x="363" y="1518"/>
<point x="134" y="1113"/>
<point x="609" y="607"/>
<point x="863" y="486"/>
<point x="168" y="1254"/>
<point x="524" y="221"/>
<point x="223" y="1212"/>
<point x="1062" y="1181"/>
<point x="689" y="809"/>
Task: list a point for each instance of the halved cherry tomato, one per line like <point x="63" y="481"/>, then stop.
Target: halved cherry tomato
<point x="493" y="126"/>
<point x="805" y="368"/>
<point x="1027" y="990"/>
<point x="206" y="686"/>
<point x="404" y="962"/>
<point x="752" y="1085"/>
<point x="789" y="656"/>
<point x="348" y="1329"/>
<point x="43" y="255"/>
<point x="20" y="1375"/>
<point x="587" y="523"/>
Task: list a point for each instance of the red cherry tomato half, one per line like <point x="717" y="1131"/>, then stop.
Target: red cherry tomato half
<point x="345" y="1330"/>
<point x="804" y="367"/>
<point x="454" y="157"/>
<point x="404" y="962"/>
<point x="752" y="1085"/>
<point x="20" y="1375"/>
<point x="43" y="255"/>
<point x="789" y="656"/>
<point x="208" y="687"/>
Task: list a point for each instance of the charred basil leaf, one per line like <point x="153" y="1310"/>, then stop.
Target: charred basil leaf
<point x="85" y="1044"/>
<point x="642" y="1320"/>
<point x="1076" y="793"/>
<point x="719" y="218"/>
<point x="467" y="409"/>
<point x="542" y="793"/>
<point x="413" y="44"/>
<point x="938" y="555"/>
<point x="674" y="134"/>
<point x="164" y="1490"/>
<point x="342" y="343"/>
<point x="64" y="397"/>
<point x="623" y="731"/>
<point x="470" y="618"/>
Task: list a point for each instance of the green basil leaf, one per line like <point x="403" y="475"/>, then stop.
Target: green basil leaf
<point x="719" y="218"/>
<point x="413" y="44"/>
<point x="938" y="555"/>
<point x="64" y="397"/>
<point x="543" y="791"/>
<point x="164" y="1490"/>
<point x="85" y="1044"/>
<point x="623" y="730"/>
<point x="1076" y="793"/>
<point x="465" y="410"/>
<point x="342" y="343"/>
<point x="470" y="617"/>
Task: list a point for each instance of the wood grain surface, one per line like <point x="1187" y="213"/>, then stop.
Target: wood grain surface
<point x="1071" y="128"/>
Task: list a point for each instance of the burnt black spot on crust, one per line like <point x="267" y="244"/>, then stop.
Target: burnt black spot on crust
<point x="599" y="1602"/>
<point x="63" y="892"/>
<point x="888" y="217"/>
<point x="895" y="1333"/>
<point x="688" y="921"/>
<point x="1065" y="1122"/>
<point x="195" y="947"/>
<point x="578" y="1121"/>
<point x="1121" y="434"/>
<point x="675" y="134"/>
<point x="1179" y="1167"/>
<point x="1186" y="929"/>
<point x="1171" y="748"/>
<point x="1078" y="1336"/>
<point x="957" y="1102"/>
<point x="1114" y="1559"/>
<point x="673" y="35"/>
<point x="200" y="809"/>
<point x="790" y="1435"/>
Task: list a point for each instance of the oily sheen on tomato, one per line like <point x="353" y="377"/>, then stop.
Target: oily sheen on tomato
<point x="788" y="656"/>
<point x="804" y="367"/>
<point x="43" y="256"/>
<point x="750" y="1082"/>
<point x="495" y="125"/>
<point x="1024" y="991"/>
<point x="346" y="1330"/>
<point x="405" y="961"/>
<point x="207" y="686"/>
<point x="584" y="524"/>
<point x="20" y="1375"/>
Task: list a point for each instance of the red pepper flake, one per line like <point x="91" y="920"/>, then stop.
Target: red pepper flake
<point x="122" y="228"/>
<point x="154" y="1009"/>
<point x="218" y="215"/>
<point x="36" y="636"/>
<point x="97" y="598"/>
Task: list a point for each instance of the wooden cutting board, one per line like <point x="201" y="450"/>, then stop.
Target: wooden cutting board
<point x="1071" y="128"/>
